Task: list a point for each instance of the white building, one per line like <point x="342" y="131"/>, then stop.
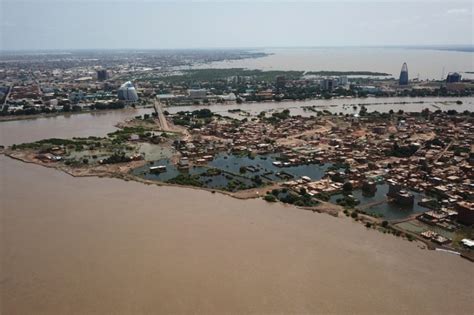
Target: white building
<point x="127" y="92"/>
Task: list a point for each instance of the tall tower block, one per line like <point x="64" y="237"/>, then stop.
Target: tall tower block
<point x="404" y="75"/>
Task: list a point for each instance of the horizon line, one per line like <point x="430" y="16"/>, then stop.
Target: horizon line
<point x="243" y="47"/>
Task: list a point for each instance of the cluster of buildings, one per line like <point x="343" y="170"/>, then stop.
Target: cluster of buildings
<point x="183" y="95"/>
<point x="45" y="84"/>
<point x="310" y="86"/>
<point x="430" y="154"/>
<point x="29" y="92"/>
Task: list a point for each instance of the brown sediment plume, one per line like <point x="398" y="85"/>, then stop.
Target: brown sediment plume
<point x="100" y="246"/>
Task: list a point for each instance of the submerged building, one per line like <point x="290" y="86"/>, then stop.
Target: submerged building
<point x="404" y="75"/>
<point x="398" y="195"/>
<point x="127" y="92"/>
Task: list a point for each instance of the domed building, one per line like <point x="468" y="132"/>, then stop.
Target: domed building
<point x="127" y="92"/>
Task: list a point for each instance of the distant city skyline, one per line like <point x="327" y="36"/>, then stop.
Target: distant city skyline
<point x="107" y="24"/>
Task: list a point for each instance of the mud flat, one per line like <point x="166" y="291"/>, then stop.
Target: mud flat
<point x="104" y="246"/>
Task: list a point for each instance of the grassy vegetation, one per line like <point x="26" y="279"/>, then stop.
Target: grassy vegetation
<point x="117" y="157"/>
<point x="122" y="135"/>
<point x="72" y="162"/>
<point x="323" y="196"/>
<point x="347" y="201"/>
<point x="235" y="184"/>
<point x="194" y="119"/>
<point x="465" y="232"/>
<point x="270" y="198"/>
<point x="303" y="199"/>
<point x="45" y="144"/>
<point x="186" y="180"/>
<point x="41" y="143"/>
<point x="70" y="149"/>
<point x="221" y="74"/>
<point x="212" y="172"/>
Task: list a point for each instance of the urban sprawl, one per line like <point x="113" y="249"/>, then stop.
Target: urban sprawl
<point x="399" y="172"/>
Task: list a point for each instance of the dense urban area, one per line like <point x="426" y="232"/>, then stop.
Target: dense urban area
<point x="400" y="172"/>
<point x="83" y="81"/>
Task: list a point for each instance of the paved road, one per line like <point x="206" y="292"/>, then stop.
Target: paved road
<point x="7" y="96"/>
<point x="161" y="116"/>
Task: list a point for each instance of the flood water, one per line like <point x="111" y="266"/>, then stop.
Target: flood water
<point x="263" y="166"/>
<point x="65" y="126"/>
<point x="105" y="246"/>
<point x="387" y="210"/>
<point x="422" y="63"/>
<point x="230" y="170"/>
<point x="101" y="123"/>
<point x="345" y="106"/>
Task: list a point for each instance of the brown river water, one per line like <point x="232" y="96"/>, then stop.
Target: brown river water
<point x="422" y="63"/>
<point x="105" y="246"/>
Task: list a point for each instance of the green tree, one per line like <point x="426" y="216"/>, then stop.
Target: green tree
<point x="347" y="187"/>
<point x="269" y="198"/>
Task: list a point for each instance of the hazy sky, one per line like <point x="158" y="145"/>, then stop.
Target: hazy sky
<point x="71" y="24"/>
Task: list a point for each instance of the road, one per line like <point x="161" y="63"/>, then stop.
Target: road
<point x="161" y="116"/>
<point x="7" y="96"/>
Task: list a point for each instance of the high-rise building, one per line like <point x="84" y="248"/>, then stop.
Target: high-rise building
<point x="404" y="75"/>
<point x="102" y="75"/>
<point x="453" y="77"/>
<point x="280" y="81"/>
<point x="127" y="92"/>
<point x="343" y="80"/>
<point x="328" y="84"/>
